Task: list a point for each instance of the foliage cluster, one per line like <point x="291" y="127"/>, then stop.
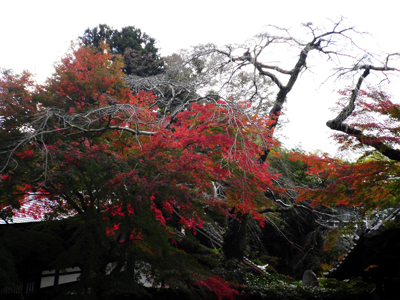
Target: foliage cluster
<point x="284" y="288"/>
<point x="139" y="52"/>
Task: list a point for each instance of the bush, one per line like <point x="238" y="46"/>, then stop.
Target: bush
<point x="278" y="287"/>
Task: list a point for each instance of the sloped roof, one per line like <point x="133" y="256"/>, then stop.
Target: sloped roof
<point x="379" y="245"/>
<point x="18" y="220"/>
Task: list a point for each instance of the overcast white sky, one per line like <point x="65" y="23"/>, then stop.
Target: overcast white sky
<point x="35" y="34"/>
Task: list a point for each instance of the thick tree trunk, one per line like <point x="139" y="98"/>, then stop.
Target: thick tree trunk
<point x="235" y="238"/>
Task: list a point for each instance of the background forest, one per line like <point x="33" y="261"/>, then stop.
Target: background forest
<point x="170" y="166"/>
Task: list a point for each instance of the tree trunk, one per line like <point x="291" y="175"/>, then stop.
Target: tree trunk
<point x="235" y="240"/>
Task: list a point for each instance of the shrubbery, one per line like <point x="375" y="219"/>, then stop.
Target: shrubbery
<point x="279" y="287"/>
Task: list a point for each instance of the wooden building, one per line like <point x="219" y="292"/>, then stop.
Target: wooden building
<point x="375" y="256"/>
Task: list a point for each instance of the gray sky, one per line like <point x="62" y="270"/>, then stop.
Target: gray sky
<point x="35" y="34"/>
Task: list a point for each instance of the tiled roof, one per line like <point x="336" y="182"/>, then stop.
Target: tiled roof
<point x="362" y="253"/>
<point x="18" y="220"/>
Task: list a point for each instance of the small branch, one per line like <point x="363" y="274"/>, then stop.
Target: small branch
<point x="119" y="128"/>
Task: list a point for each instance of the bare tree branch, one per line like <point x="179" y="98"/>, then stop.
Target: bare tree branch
<point x="338" y="122"/>
<point x="324" y="41"/>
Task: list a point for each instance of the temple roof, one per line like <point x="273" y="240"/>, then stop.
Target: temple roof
<point x="377" y="246"/>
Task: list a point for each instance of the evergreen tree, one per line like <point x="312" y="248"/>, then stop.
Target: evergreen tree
<point x="137" y="48"/>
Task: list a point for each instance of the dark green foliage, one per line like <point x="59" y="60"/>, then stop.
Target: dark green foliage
<point x="293" y="171"/>
<point x="118" y="41"/>
<point x="234" y="271"/>
<point x="302" y="293"/>
<point x="138" y="49"/>
<point x="278" y="287"/>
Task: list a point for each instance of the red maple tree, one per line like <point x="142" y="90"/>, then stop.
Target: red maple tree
<point x="372" y="128"/>
<point x="92" y="151"/>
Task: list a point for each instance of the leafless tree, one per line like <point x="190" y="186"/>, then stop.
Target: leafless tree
<point x="336" y="43"/>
